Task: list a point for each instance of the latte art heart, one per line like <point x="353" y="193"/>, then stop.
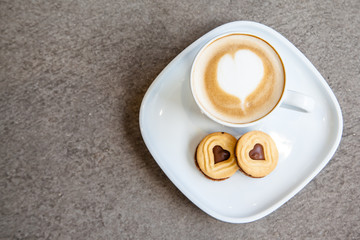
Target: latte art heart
<point x="238" y="78"/>
<point x="240" y="75"/>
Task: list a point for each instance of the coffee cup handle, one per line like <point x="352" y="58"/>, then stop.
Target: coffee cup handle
<point x="298" y="101"/>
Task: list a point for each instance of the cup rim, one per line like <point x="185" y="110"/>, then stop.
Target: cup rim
<point x="223" y="122"/>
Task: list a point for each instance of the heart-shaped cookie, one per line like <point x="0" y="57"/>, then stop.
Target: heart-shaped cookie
<point x="215" y="156"/>
<point x="256" y="154"/>
<point x="240" y="74"/>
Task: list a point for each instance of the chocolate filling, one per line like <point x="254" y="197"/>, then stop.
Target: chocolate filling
<point x="257" y="153"/>
<point x="220" y="154"/>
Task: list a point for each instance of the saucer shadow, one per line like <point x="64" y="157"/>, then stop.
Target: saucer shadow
<point x="143" y="72"/>
<point x="148" y="65"/>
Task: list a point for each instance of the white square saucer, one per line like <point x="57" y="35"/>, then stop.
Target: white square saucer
<point x="172" y="125"/>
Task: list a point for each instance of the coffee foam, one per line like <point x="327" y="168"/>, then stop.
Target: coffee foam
<point x="240" y="74"/>
<point x="238" y="78"/>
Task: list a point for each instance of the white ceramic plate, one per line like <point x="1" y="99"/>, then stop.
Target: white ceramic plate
<point x="172" y="125"/>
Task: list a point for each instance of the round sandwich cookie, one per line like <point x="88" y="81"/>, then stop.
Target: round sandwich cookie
<point x="257" y="154"/>
<point x="215" y="156"/>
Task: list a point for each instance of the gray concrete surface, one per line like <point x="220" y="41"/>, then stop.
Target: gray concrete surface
<point x="72" y="161"/>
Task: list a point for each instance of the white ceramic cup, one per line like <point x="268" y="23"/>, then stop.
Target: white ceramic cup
<point x="290" y="99"/>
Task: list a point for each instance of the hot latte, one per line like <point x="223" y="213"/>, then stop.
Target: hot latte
<point x="238" y="78"/>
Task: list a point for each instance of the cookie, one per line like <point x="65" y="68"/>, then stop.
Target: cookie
<point x="215" y="156"/>
<point x="256" y="154"/>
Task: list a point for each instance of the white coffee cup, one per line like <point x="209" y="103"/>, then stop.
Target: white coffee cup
<point x="239" y="79"/>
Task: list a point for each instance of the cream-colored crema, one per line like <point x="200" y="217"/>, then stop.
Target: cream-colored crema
<point x="238" y="78"/>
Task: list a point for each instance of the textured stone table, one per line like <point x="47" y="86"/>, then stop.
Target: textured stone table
<point x="73" y="164"/>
